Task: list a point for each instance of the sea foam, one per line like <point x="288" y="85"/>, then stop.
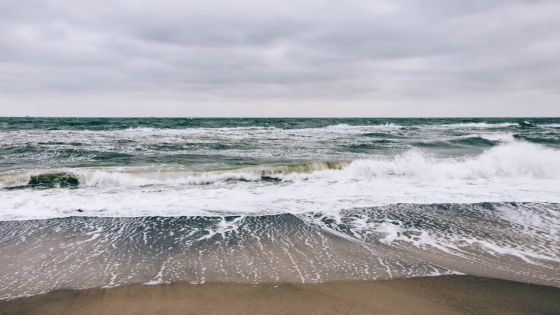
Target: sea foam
<point x="515" y="171"/>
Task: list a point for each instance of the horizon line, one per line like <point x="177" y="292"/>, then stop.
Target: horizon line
<point x="289" y="117"/>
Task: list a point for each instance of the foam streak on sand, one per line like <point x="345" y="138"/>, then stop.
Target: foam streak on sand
<point x="361" y="244"/>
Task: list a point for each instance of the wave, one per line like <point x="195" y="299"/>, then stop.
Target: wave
<point x="265" y="173"/>
<point x="509" y="160"/>
<point x="475" y="140"/>
<point x="476" y="125"/>
<point x="52" y="180"/>
<point x="342" y="127"/>
<point x="550" y="125"/>
<point x="241" y="130"/>
<point x="514" y="159"/>
<point x="515" y="171"/>
<point x="144" y="176"/>
<point x="45" y="180"/>
<point x="496" y="137"/>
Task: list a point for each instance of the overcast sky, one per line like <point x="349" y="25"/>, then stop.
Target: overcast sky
<point x="280" y="58"/>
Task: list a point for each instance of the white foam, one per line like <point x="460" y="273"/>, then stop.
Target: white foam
<point x="477" y="125"/>
<point x="501" y="137"/>
<point x="121" y="179"/>
<point x="515" y="171"/>
<point x="511" y="160"/>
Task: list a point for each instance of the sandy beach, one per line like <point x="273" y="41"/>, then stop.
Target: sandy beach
<point x="431" y="295"/>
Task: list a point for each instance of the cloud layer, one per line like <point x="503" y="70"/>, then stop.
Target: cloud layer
<point x="281" y="58"/>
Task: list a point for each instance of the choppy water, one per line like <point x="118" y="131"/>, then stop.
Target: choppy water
<point x="96" y="201"/>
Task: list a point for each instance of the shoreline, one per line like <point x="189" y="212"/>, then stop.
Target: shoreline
<point x="453" y="294"/>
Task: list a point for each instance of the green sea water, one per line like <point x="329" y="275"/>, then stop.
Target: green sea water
<point x="218" y="142"/>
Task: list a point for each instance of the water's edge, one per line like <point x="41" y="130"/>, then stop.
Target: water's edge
<point x="493" y="240"/>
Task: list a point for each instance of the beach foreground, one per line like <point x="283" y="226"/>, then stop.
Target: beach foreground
<point x="430" y="295"/>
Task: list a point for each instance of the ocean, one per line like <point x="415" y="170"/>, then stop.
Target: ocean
<point x="101" y="202"/>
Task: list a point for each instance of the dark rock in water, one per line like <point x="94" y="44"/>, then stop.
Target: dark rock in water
<point x="53" y="180"/>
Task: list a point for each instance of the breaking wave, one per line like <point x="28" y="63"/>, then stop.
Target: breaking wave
<point x="510" y="172"/>
<point x="510" y="160"/>
<point x="514" y="159"/>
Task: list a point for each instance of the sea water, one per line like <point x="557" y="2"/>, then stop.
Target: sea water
<point x="87" y="202"/>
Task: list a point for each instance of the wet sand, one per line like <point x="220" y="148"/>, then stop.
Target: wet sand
<point x="431" y="295"/>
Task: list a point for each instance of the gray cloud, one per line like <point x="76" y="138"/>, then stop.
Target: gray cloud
<point x="287" y="58"/>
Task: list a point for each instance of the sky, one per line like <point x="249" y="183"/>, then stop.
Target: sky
<point x="280" y="58"/>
